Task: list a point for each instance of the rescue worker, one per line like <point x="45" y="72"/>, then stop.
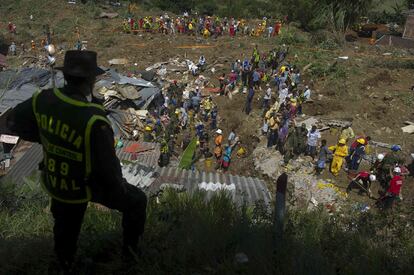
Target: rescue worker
<point x="347" y="133"/>
<point x="394" y="191"/>
<point x="242" y="151"/>
<point x="79" y="163"/>
<point x="273" y="123"/>
<point x="302" y="134"/>
<point x="278" y="27"/>
<point x="33" y="45"/>
<point x="354" y="159"/>
<point x="219" y="137"/>
<point x="340" y="151"/>
<point x="232" y="138"/>
<point x="213" y="122"/>
<point x="249" y="100"/>
<point x="290" y="145"/>
<point x="267" y="97"/>
<point x="392" y="159"/>
<point x="324" y="155"/>
<point x="164" y="159"/>
<point x="206" y="33"/>
<point x="313" y="139"/>
<point x="378" y="169"/>
<point x="148" y="137"/>
<point x="207" y="106"/>
<point x="203" y="145"/>
<point x="225" y="163"/>
<point x="363" y="181"/>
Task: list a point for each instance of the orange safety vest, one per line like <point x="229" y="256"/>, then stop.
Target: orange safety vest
<point x="218" y="140"/>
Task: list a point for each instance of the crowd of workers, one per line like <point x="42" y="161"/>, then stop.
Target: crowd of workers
<point x="282" y="102"/>
<point x="282" y="95"/>
<point x="282" y="99"/>
<point x="201" y="25"/>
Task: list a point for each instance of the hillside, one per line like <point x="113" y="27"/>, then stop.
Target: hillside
<point x="184" y="233"/>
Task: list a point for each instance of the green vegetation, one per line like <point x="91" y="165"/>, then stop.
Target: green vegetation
<point x="187" y="235"/>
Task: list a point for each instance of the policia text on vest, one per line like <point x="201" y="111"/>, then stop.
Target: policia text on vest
<point x="66" y="143"/>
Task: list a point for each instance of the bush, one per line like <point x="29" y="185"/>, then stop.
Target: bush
<point x="188" y="234"/>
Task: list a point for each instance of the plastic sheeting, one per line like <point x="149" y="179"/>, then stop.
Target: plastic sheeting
<point x="18" y="86"/>
<point x="121" y="80"/>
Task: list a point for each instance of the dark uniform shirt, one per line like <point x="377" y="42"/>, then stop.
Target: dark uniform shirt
<point x="106" y="168"/>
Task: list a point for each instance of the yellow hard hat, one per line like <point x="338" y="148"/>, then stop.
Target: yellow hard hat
<point x="342" y="141"/>
<point x="361" y="141"/>
<point x="148" y="128"/>
<point x="293" y="100"/>
<point x="177" y="112"/>
<point x="198" y="142"/>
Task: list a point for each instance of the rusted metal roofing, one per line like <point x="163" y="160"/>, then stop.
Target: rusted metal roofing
<point x="145" y="173"/>
<point x="148" y="157"/>
<point x="31" y="156"/>
<point x="242" y="189"/>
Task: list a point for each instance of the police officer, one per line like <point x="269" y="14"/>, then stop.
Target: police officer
<point x="79" y="163"/>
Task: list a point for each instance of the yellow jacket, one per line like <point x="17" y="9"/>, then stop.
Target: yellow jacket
<point x="207" y="105"/>
<point x="339" y="151"/>
<point x="347" y="134"/>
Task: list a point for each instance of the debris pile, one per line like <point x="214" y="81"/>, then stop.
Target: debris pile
<point x="307" y="190"/>
<point x="127" y="99"/>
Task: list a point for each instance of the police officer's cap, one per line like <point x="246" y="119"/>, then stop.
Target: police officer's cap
<point x="81" y="64"/>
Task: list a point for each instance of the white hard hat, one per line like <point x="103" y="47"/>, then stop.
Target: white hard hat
<point x="412" y="155"/>
<point x="397" y="170"/>
<point x="219" y="131"/>
<point x="197" y="88"/>
<point x="372" y="178"/>
<point x="380" y="157"/>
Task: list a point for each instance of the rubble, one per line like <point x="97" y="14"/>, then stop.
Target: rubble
<point x="308" y="191"/>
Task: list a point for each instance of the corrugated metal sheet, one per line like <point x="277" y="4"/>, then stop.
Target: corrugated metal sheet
<point x="146" y="174"/>
<point x="148" y="158"/>
<point x="242" y="189"/>
<point x="26" y="165"/>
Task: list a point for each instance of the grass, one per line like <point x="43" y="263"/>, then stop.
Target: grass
<point x="187" y="235"/>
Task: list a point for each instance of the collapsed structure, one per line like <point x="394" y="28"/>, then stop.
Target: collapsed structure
<point x="128" y="101"/>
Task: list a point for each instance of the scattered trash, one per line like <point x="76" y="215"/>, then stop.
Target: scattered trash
<point x="129" y="92"/>
<point x="387" y="54"/>
<point x="118" y="61"/>
<point x="343" y="57"/>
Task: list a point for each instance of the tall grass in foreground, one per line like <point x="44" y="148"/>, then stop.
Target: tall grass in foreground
<point x="187" y="235"/>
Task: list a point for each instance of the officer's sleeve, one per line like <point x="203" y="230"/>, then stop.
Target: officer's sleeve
<point x="22" y="122"/>
<point x="106" y="169"/>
